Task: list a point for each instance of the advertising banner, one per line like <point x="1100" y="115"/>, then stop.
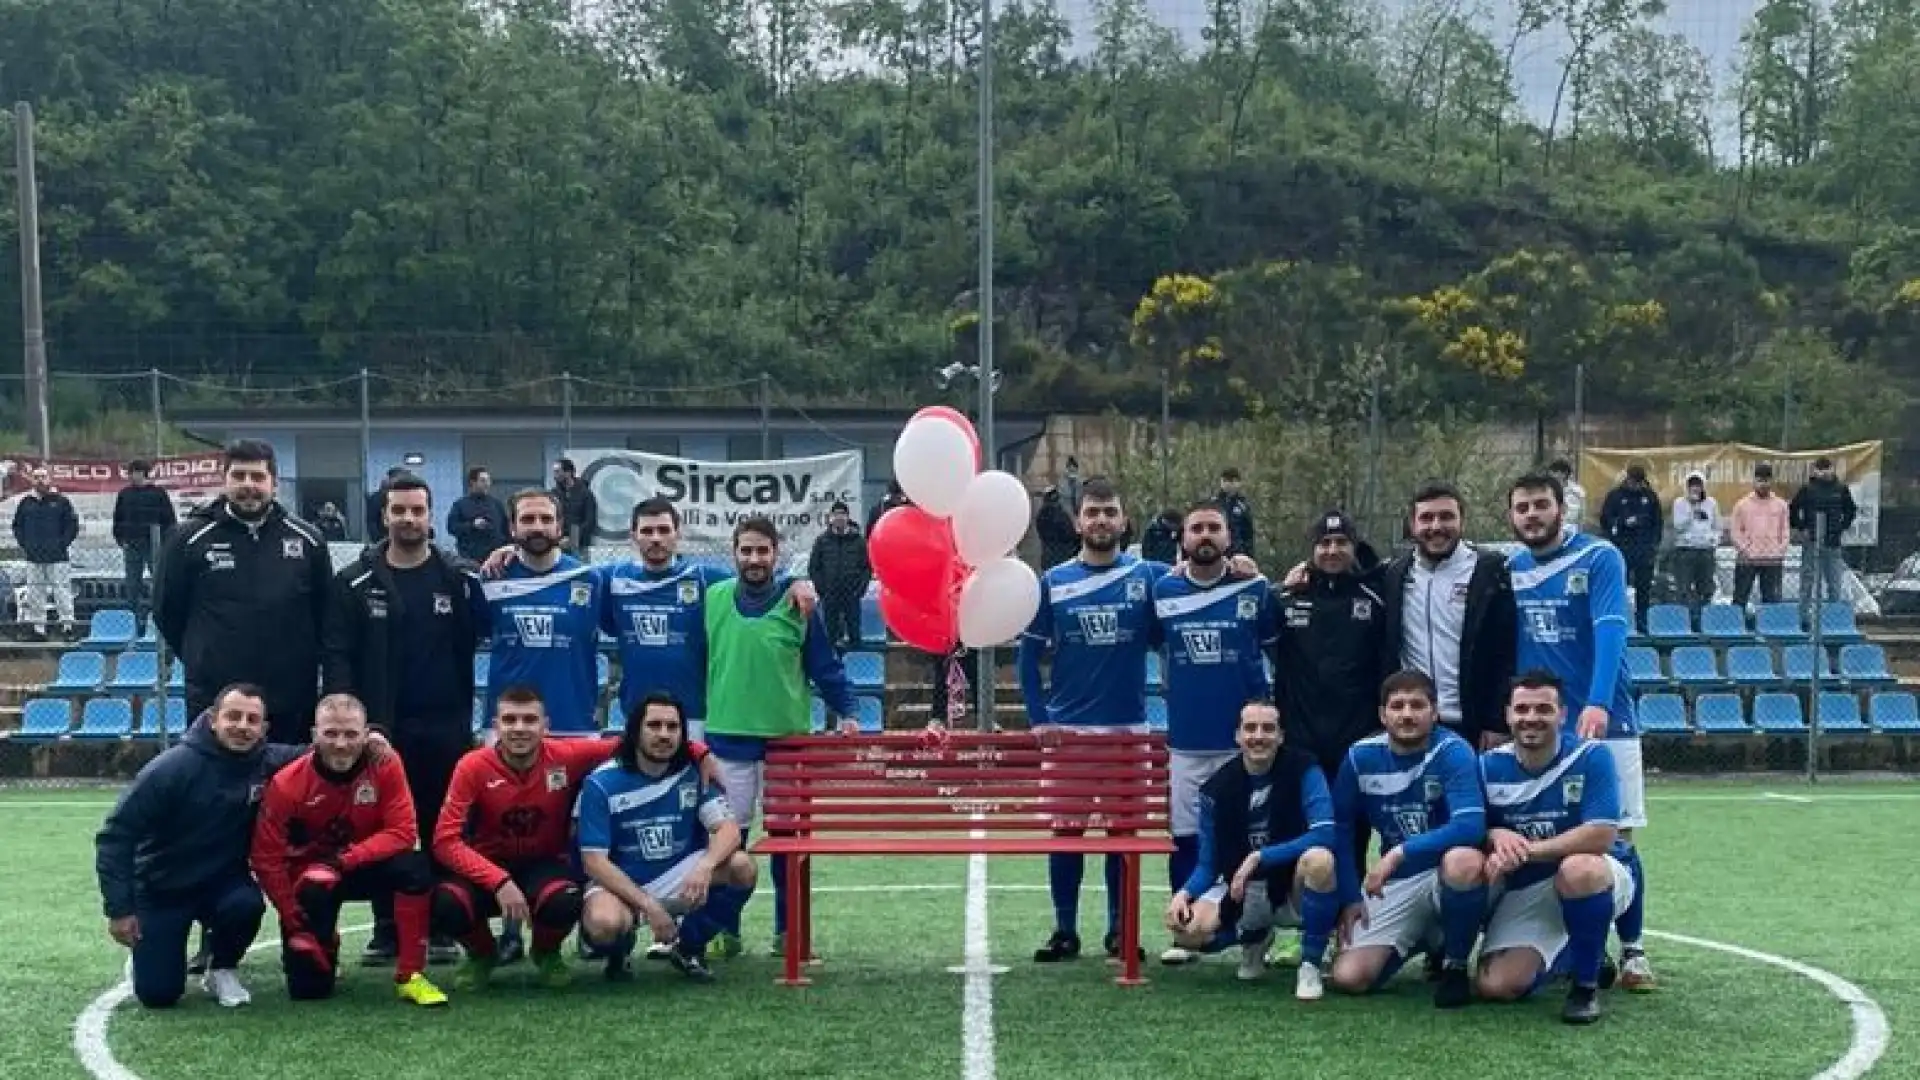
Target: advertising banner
<point x="713" y="496"/>
<point x="1728" y="468"/>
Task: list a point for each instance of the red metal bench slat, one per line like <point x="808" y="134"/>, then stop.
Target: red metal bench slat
<point x="990" y="824"/>
<point x="960" y="739"/>
<point x="854" y="757"/>
<point x="963" y="845"/>
<point x="1079" y="790"/>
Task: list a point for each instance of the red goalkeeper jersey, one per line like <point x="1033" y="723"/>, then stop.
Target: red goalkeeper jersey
<point x="307" y="816"/>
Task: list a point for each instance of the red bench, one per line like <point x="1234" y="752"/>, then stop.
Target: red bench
<point x="963" y="793"/>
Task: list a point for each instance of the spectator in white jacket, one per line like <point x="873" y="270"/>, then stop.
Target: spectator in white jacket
<point x="1696" y="539"/>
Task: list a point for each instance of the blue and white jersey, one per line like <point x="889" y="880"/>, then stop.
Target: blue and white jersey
<point x="658" y="618"/>
<point x="1424" y="803"/>
<point x="1578" y="787"/>
<point x="543" y="630"/>
<point x="1215" y="637"/>
<point x="1097" y="622"/>
<point x="1574" y="618"/>
<point x="652" y="828"/>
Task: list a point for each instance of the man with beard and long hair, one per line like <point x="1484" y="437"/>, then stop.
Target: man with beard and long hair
<point x="1096" y="620"/>
<point x="659" y="843"/>
<point x="543" y="619"/>
<point x="762" y="652"/>
<point x="400" y="636"/>
<point x="1571" y="593"/>
<point x="1215" y="627"/>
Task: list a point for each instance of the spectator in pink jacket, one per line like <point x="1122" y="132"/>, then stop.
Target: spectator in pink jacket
<point x="1760" y="537"/>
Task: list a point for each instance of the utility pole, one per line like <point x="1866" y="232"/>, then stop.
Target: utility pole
<point x="31" y="320"/>
<point x="987" y="693"/>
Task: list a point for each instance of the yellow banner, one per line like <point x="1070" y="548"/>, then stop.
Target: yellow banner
<point x="1728" y="468"/>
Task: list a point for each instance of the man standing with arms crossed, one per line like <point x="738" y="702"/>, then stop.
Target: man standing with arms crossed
<point x="1571" y="593"/>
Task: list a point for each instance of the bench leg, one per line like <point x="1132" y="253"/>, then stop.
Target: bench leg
<point x="1130" y="923"/>
<point x="805" y="869"/>
<point x="791" y="974"/>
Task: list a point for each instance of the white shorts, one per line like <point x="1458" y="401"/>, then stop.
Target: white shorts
<point x="666" y="888"/>
<point x="1258" y="914"/>
<point x="1633" y="781"/>
<point x="1530" y="918"/>
<point x="1188" y="772"/>
<point x="743" y="781"/>
<point x="1404" y="918"/>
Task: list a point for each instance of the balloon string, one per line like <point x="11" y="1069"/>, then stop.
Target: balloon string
<point x="956" y="689"/>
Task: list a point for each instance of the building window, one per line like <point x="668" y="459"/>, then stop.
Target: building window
<point x="747" y="447"/>
<point x="665" y="445"/>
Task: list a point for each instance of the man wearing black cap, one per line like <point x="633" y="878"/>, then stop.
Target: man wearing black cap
<point x="1631" y="518"/>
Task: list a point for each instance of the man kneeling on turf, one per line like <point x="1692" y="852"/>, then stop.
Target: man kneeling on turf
<point x="503" y="835"/>
<point x="336" y="826"/>
<point x="1269" y="815"/>
<point x="1553" y="807"/>
<point x="658" y="843"/>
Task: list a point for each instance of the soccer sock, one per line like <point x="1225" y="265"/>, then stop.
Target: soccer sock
<point x="548" y="939"/>
<point x="700" y="925"/>
<point x="1633" y="920"/>
<point x="779" y="896"/>
<point x="1116" y="874"/>
<point x="410" y="935"/>
<point x="510" y="929"/>
<point x="1461" y="912"/>
<point x="1395" y="961"/>
<point x="1318" y="912"/>
<point x="1063" y="881"/>
<point x="479" y="942"/>
<point x="1586" y="919"/>
<point x="1180" y="864"/>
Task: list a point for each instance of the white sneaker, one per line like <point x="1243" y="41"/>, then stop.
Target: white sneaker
<point x="224" y="985"/>
<point x="1306" y="983"/>
<point x="1176" y="956"/>
<point x="1253" y="958"/>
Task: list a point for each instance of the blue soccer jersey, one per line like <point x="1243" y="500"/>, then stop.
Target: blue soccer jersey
<point x="1578" y="787"/>
<point x="1215" y="637"/>
<point x="1316" y="807"/>
<point x="1574" y="617"/>
<point x="652" y="828"/>
<point x="658" y="619"/>
<point x="1425" y="803"/>
<point x="1097" y="622"/>
<point x="544" y="630"/>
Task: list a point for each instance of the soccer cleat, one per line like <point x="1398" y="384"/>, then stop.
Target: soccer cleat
<point x="1453" y="990"/>
<point x="1307" y="985"/>
<point x="1061" y="946"/>
<point x="1636" y="973"/>
<point x="659" y="950"/>
<point x="512" y="948"/>
<point x="619" y="968"/>
<point x="1285" y="951"/>
<point x="223" y="984"/>
<point x="690" y="965"/>
<point x="1433" y="965"/>
<point x="380" y="951"/>
<point x="1175" y="956"/>
<point x="418" y="990"/>
<point x="1253" y="959"/>
<point x="778" y="947"/>
<point x="200" y="962"/>
<point x="724" y="946"/>
<point x="1609" y="973"/>
<point x="1582" y="1007"/>
<point x="1112" y="944"/>
<point x="473" y="973"/>
<point x="552" y="970"/>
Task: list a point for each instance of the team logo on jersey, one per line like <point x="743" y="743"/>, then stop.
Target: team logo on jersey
<point x="1577" y="582"/>
<point x="376" y="607"/>
<point x="581" y="593"/>
<point x="219" y="558"/>
<point x="556" y="779"/>
<point x="253" y="793"/>
<point x="442" y="604"/>
<point x="656" y="841"/>
<point x="1299" y="616"/>
<point x="1136" y="590"/>
<point x="1248" y="607"/>
<point x="1100" y="627"/>
<point x="535" y="629"/>
<point x="1460" y="592"/>
<point x="1543" y="625"/>
<point x="1203" y="646"/>
<point x="689" y="798"/>
<point x="1571" y="788"/>
<point x="1434" y="789"/>
<point x="292" y="549"/>
<point x="365" y="795"/>
<point x="1363" y="610"/>
<point x="689" y="592"/>
<point x="650" y="627"/>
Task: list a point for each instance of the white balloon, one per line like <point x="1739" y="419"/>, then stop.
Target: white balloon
<point x="997" y="603"/>
<point x="992" y="518"/>
<point x="933" y="461"/>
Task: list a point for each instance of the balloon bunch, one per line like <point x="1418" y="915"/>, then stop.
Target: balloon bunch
<point x="947" y="575"/>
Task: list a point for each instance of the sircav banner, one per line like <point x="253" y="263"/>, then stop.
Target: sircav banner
<point x="712" y="496"/>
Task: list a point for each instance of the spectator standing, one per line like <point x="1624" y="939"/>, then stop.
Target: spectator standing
<point x="1632" y="519"/>
<point x="1696" y="542"/>
<point x="1575" y="494"/>
<point x="45" y="526"/>
<point x="893" y="499"/>
<point x="1760" y="536"/>
<point x="331" y="523"/>
<point x="1821" y="511"/>
<point x="1059" y="536"/>
<point x="139" y="510"/>
<point x="376" y="527"/>
<point x="1161" y="542"/>
<point x="1239" y="513"/>
<point x="478" y="521"/>
<point x="579" y="514"/>
<point x="840" y="572"/>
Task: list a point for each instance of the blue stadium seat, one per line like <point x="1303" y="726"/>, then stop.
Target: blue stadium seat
<point x="1894" y="713"/>
<point x="1839" y="714"/>
<point x="172" y="709"/>
<point x="45" y="718"/>
<point x="1663" y="714"/>
<point x="1156" y="677"/>
<point x="819" y="716"/>
<point x="1669" y="624"/>
<point x="1779" y="622"/>
<point x="482" y="671"/>
<point x="1778" y="714"/>
<point x="1643" y="667"/>
<point x="1751" y="665"/>
<point x="1865" y="665"/>
<point x="110" y="630"/>
<point x="135" y="673"/>
<point x="105" y="718"/>
<point x="149" y="635"/>
<point x="873" y="628"/>
<point x="1157" y="714"/>
<point x="1696" y="667"/>
<point x="79" y="673"/>
<point x="1720" y="714"/>
<point x="177" y="681"/>
<point x="1724" y="623"/>
<point x="602" y="668"/>
<point x="1837" y="625"/>
<point x="1799" y="660"/>
<point x="479" y="716"/>
<point x="866" y="672"/>
<point x="872" y="718"/>
<point x="616" y="721"/>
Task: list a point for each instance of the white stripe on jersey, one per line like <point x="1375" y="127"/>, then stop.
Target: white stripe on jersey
<point x="1174" y="607"/>
<point x="1384" y="784"/>
<point x="1528" y="790"/>
<point x="1074" y="590"/>
<point x="515" y="588"/>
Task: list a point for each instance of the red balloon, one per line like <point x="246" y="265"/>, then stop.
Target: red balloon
<point x="913" y="554"/>
<point x="958" y="419"/>
<point x="934" y="629"/>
